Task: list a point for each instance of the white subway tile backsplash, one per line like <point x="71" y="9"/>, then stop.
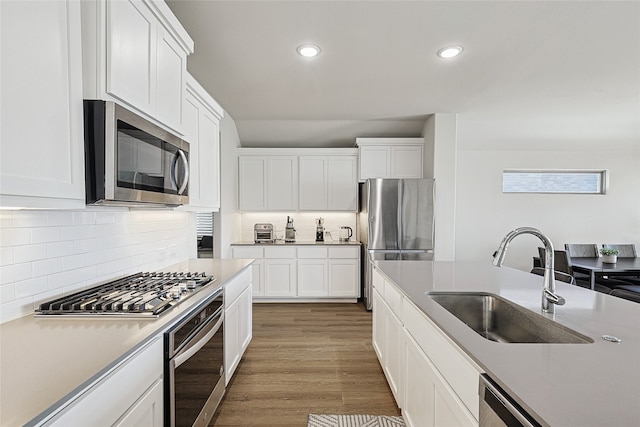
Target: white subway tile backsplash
<point x="62" y="279"/>
<point x="29" y="219"/>
<point x="45" y="254"/>
<point x="31" y="287"/>
<point x="15" y="273"/>
<point x="6" y="256"/>
<point x="7" y="293"/>
<point x="59" y="218"/>
<point x="6" y="219"/>
<point x="47" y="266"/>
<point x="45" y="235"/>
<point x="28" y="253"/>
<point x="14" y="237"/>
<point x="58" y="249"/>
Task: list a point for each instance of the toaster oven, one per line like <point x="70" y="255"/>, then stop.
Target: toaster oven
<point x="263" y="233"/>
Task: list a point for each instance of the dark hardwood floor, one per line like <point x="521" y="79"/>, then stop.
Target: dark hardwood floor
<point x="306" y="358"/>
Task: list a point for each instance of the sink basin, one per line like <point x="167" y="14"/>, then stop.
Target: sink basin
<point x="497" y="319"/>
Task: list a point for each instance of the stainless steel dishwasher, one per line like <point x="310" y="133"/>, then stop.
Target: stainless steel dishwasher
<point x="497" y="409"/>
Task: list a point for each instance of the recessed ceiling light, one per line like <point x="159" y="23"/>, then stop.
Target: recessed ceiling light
<point x="449" y="52"/>
<point x="308" y="50"/>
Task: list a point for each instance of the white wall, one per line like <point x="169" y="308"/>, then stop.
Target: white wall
<point x="46" y="254"/>
<point x="227" y="223"/>
<point x="485" y="214"/>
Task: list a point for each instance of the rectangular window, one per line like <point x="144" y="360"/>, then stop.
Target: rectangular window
<point x="204" y="224"/>
<point x="555" y="181"/>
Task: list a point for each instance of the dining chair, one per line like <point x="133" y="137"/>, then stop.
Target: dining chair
<point x="559" y="275"/>
<point x="626" y="250"/>
<point x="582" y="250"/>
<point x="562" y="264"/>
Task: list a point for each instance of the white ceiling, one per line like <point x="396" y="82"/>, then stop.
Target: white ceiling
<point x="540" y="69"/>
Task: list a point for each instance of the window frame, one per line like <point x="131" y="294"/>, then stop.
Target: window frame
<point x="602" y="190"/>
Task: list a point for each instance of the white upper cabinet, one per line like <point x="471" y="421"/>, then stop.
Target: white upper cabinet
<point x="307" y="180"/>
<point x="282" y="183"/>
<point x="268" y="183"/>
<point x="342" y="184"/>
<point x="135" y="52"/>
<point x="328" y="183"/>
<point x="201" y="122"/>
<point x="390" y="157"/>
<point x="41" y="137"/>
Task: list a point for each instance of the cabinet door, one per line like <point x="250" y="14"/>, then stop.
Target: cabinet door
<point x="394" y="362"/>
<point x="282" y="183"/>
<point x="232" y="352"/>
<point x="312" y="278"/>
<point x="147" y="411"/>
<point x="429" y="401"/>
<point x="378" y="314"/>
<point x="171" y="67"/>
<point x="342" y="183"/>
<point x="131" y="53"/>
<point x="252" y="183"/>
<point x="343" y="278"/>
<point x="280" y="277"/>
<point x="245" y="317"/>
<point x="41" y="131"/>
<point x="374" y="162"/>
<point x="313" y="183"/>
<point x="257" y="269"/>
<point x="209" y="161"/>
<point x="406" y="161"/>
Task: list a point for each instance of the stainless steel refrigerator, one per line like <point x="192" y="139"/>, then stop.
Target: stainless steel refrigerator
<point x="395" y="222"/>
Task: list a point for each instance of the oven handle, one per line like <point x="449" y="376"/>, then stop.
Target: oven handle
<point x="199" y="341"/>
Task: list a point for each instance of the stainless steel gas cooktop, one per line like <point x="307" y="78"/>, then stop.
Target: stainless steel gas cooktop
<point x="141" y="295"/>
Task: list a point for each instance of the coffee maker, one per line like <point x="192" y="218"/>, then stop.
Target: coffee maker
<point x="289" y="231"/>
<point x="319" y="229"/>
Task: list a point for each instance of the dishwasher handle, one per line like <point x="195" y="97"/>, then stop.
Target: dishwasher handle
<point x="497" y="409"/>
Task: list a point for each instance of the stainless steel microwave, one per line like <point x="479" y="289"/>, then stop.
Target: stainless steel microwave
<point x="131" y="161"/>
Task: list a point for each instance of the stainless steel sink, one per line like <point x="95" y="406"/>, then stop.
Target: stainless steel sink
<point x="500" y="320"/>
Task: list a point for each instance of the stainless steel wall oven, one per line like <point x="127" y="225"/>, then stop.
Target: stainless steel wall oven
<point x="194" y="365"/>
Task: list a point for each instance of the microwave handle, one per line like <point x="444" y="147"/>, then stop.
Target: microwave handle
<point x="180" y="154"/>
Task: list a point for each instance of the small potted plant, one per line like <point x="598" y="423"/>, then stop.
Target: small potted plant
<point x="609" y="256"/>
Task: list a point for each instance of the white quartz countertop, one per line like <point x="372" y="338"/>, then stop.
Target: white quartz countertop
<point x="298" y="243"/>
<point x="44" y="359"/>
<point x="573" y="385"/>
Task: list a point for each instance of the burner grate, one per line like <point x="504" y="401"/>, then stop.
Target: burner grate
<point x="138" y="295"/>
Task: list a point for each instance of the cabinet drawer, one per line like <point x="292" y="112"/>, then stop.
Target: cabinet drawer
<point x="393" y="298"/>
<point x="350" y="252"/>
<point x="247" y="252"/>
<point x="108" y="399"/>
<point x="282" y="253"/>
<point x="315" y="252"/>
<point x="237" y="285"/>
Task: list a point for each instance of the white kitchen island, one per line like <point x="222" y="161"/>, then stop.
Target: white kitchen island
<point x="593" y="384"/>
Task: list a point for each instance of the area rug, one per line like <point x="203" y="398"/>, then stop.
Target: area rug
<point x="315" y="420"/>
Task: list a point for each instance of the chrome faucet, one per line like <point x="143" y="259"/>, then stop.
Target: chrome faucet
<point x="549" y="297"/>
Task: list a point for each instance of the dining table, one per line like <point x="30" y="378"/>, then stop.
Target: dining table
<point x="595" y="267"/>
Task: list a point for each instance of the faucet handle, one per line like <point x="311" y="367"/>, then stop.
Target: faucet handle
<point x="553" y="298"/>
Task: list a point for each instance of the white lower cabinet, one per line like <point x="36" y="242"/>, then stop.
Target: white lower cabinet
<point x="282" y="272"/>
<point x="130" y="395"/>
<point x="280" y="277"/>
<point x="434" y="382"/>
<point x="389" y="344"/>
<point x="429" y="401"/>
<point x="238" y="315"/>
